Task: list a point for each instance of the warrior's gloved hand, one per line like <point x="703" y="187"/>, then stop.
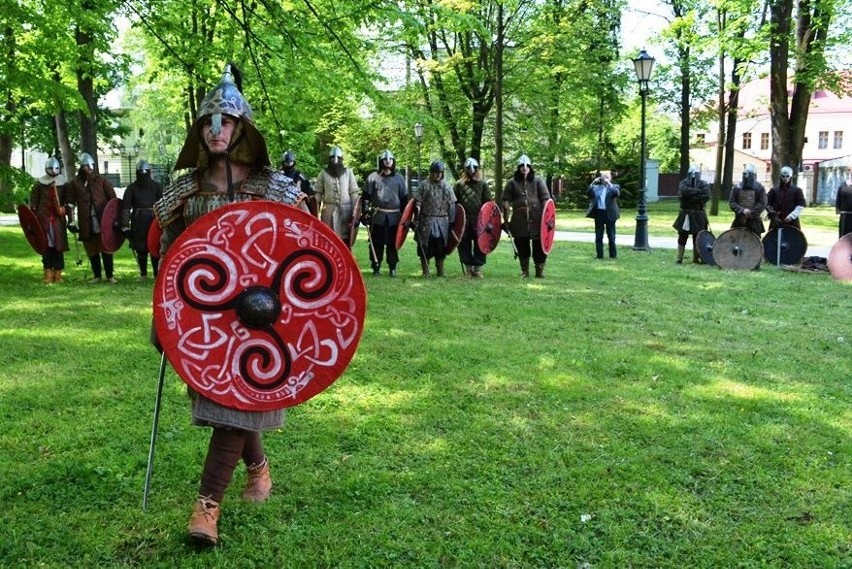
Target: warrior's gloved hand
<point x="72" y="227"/>
<point x="125" y="230"/>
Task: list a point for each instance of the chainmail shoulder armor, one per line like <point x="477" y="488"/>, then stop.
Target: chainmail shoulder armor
<point x="183" y="196"/>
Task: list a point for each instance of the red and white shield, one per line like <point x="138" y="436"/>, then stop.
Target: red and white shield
<point x="488" y="227"/>
<point x="548" y="226"/>
<point x="259" y="306"/>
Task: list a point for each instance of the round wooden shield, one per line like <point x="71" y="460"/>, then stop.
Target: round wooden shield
<point x="548" y="226"/>
<point x="840" y="259"/>
<point x="456" y="230"/>
<point x="259" y="306"/>
<point x="355" y="223"/>
<point x="704" y="242"/>
<point x="33" y="230"/>
<point x="111" y="236"/>
<point x="737" y="249"/>
<point x="155" y="233"/>
<point x="404" y="224"/>
<point x="784" y="246"/>
<point x="488" y="227"/>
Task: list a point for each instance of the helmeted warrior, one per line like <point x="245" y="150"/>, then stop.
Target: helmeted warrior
<point x="472" y="192"/>
<point x="435" y="208"/>
<point x="336" y="193"/>
<point x="785" y="202"/>
<point x="91" y="192"/>
<point x="748" y="202"/>
<point x="523" y="199"/>
<point x="137" y="215"/>
<point x="229" y="163"/>
<point x="49" y="202"/>
<point x="385" y="194"/>
<point x="693" y="193"/>
<point x="288" y="166"/>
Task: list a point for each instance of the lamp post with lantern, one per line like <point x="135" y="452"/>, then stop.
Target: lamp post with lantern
<point x="643" y="64"/>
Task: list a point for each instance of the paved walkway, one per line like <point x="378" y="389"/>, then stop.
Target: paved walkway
<point x="579" y="236"/>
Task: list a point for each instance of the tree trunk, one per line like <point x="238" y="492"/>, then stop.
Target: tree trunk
<point x="85" y="85"/>
<point x="498" y="104"/>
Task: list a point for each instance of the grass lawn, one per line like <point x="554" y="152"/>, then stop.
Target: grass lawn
<point x="628" y="413"/>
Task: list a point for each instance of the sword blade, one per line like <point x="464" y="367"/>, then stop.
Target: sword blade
<point x="149" y="471"/>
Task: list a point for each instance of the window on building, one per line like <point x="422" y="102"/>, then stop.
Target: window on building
<point x="838" y="139"/>
<point x="764" y="140"/>
<point x="699" y="138"/>
<point x="823" y="139"/>
<point x="746" y="140"/>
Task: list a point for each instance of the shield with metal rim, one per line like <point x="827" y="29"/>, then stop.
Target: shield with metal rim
<point x="704" y="242"/>
<point x="155" y="233"/>
<point x="405" y="222"/>
<point x="548" y="226"/>
<point x="33" y="230"/>
<point x="840" y="259"/>
<point x="259" y="306"/>
<point x="784" y="246"/>
<point x="488" y="227"/>
<point x="111" y="236"/>
<point x="355" y="223"/>
<point x="738" y="249"/>
<point x="456" y="230"/>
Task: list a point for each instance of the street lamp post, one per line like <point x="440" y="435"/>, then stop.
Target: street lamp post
<point x="643" y="64"/>
<point x="130" y="152"/>
<point x="418" y="137"/>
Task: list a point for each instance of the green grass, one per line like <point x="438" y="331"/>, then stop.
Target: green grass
<point x="633" y="413"/>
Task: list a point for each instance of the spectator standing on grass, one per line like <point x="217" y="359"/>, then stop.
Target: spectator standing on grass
<point x="229" y="162"/>
<point x="603" y="208"/>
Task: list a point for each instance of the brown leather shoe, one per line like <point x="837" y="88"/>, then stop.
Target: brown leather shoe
<point x="202" y="523"/>
<point x="258" y="483"/>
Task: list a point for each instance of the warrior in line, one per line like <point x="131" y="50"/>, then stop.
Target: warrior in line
<point x="435" y="208"/>
<point x="137" y="215"/>
<point x="48" y="200"/>
<point x="472" y="192"/>
<point x="288" y="166"/>
<point x="693" y="193"/>
<point x="230" y="163"/>
<point x="91" y="192"/>
<point x="336" y="193"/>
<point x="385" y="194"/>
<point x="785" y="202"/>
<point x="748" y="202"/>
<point x="523" y="199"/>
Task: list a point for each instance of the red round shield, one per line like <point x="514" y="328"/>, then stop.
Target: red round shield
<point x="488" y="227"/>
<point x="548" y="226"/>
<point x="404" y="224"/>
<point x="155" y="233"/>
<point x="456" y="230"/>
<point x="111" y="236"/>
<point x="259" y="306"/>
<point x="33" y="230"/>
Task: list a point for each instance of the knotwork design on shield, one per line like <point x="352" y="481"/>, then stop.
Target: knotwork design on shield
<point x="259" y="306"/>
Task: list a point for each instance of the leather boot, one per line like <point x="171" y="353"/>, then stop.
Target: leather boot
<point x="424" y="266"/>
<point x="539" y="270"/>
<point x="439" y="267"/>
<point x="680" y="250"/>
<point x="48" y="276"/>
<point x="476" y="272"/>
<point x="202" y="523"/>
<point x="57" y="276"/>
<point x="258" y="482"/>
<point x="525" y="268"/>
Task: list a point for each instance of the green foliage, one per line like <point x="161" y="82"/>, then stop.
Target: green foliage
<point x="617" y="413"/>
<point x="20" y="184"/>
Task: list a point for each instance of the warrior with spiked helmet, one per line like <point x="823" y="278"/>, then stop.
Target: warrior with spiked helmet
<point x="472" y="192"/>
<point x="523" y="199"/>
<point x="49" y="201"/>
<point x="385" y="194"/>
